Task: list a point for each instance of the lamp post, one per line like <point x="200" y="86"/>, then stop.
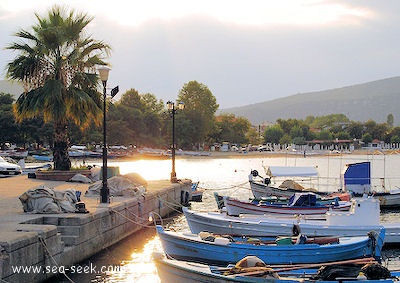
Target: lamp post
<point x="103" y="73"/>
<point x="104" y="191"/>
<point x="172" y="109"/>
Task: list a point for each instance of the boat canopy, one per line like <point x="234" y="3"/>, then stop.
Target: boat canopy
<point x="358" y="174"/>
<point x="292" y="171"/>
<point x="303" y="199"/>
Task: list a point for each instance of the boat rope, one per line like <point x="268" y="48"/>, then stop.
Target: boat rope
<point x="141" y="218"/>
<point x="131" y="220"/>
<point x="172" y="205"/>
<point x="241" y="185"/>
<point x="43" y="242"/>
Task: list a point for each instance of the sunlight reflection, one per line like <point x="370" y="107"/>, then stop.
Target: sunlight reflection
<point x="140" y="268"/>
<point x="148" y="169"/>
<point x="225" y="176"/>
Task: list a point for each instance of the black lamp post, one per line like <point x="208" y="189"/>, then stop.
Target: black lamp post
<point x="172" y="109"/>
<point x="104" y="191"/>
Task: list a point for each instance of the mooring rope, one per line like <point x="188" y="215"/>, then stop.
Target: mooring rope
<point x="42" y="241"/>
<point x="241" y="185"/>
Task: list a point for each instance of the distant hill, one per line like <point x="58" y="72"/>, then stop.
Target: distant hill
<point x="12" y="88"/>
<point x="372" y="100"/>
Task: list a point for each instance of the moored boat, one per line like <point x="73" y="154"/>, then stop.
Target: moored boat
<point x="299" y="203"/>
<point x="363" y="217"/>
<point x="357" y="180"/>
<point x="207" y="248"/>
<point x="196" y="193"/>
<point x="267" y="186"/>
<point x="251" y="270"/>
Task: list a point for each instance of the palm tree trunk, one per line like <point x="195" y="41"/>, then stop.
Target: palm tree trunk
<point x="60" y="148"/>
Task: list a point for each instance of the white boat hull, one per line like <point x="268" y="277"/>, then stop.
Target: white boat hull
<point x="260" y="190"/>
<point x="237" y="207"/>
<point x="351" y="223"/>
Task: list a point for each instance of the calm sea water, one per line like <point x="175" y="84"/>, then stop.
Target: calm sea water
<point x="130" y="260"/>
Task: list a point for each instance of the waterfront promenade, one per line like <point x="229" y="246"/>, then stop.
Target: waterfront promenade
<point x="11" y="187"/>
<point x="54" y="240"/>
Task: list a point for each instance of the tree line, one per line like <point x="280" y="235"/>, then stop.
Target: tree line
<point x="329" y="128"/>
<point x="144" y="121"/>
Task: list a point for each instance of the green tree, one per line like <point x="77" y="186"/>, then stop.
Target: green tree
<point x="294" y="128"/>
<point x="324" y="135"/>
<point x="285" y="139"/>
<point x="390" y="120"/>
<point x="232" y="128"/>
<point x="299" y="140"/>
<point x="343" y="136"/>
<point x="136" y="119"/>
<point x="8" y="127"/>
<point x="328" y="121"/>
<point x="296" y="131"/>
<point x="355" y="130"/>
<point x="377" y="131"/>
<point x="273" y="134"/>
<point x="395" y="139"/>
<point x="200" y="108"/>
<point x="253" y="136"/>
<point x="56" y="64"/>
<point x="395" y="131"/>
<point x="367" y="138"/>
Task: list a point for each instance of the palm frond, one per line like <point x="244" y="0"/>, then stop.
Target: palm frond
<point x="54" y="64"/>
<point x="83" y="109"/>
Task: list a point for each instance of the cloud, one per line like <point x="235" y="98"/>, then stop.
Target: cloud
<point x="244" y="51"/>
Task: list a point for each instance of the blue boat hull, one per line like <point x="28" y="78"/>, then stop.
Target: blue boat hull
<point x="190" y="247"/>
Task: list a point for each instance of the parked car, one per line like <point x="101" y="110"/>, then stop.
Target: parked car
<point x="263" y="148"/>
<point x="8" y="168"/>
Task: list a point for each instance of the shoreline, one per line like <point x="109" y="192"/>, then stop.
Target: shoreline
<point x="266" y="154"/>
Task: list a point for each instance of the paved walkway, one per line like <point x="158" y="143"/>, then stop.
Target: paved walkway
<point x="11" y="187"/>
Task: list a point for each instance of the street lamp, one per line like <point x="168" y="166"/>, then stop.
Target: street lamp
<point x="172" y="109"/>
<point x="103" y="73"/>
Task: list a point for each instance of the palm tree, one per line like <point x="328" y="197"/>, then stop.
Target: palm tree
<point x="56" y="64"/>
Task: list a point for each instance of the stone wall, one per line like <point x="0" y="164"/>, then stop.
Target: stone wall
<point x="48" y="241"/>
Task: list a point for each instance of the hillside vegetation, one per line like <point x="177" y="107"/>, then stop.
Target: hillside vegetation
<point x="372" y="100"/>
<point x="362" y="102"/>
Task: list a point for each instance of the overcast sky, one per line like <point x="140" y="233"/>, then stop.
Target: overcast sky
<point x="245" y="51"/>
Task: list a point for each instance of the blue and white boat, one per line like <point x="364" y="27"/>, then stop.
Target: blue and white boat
<point x="363" y="217"/>
<point x="207" y="248"/>
<point x="298" y="203"/>
<point x="173" y="271"/>
<point x="268" y="186"/>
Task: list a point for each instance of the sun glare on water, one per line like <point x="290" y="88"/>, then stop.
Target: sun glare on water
<point x="140" y="268"/>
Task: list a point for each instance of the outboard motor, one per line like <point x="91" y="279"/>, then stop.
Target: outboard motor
<point x="254" y="173"/>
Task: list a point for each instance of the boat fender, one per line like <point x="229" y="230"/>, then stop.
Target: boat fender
<point x="361" y="276"/>
<point x="301" y="239"/>
<point x="267" y="181"/>
<point x="296" y="230"/>
<point x="221" y="241"/>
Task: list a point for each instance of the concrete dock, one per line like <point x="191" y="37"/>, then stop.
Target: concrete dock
<point x="50" y="242"/>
